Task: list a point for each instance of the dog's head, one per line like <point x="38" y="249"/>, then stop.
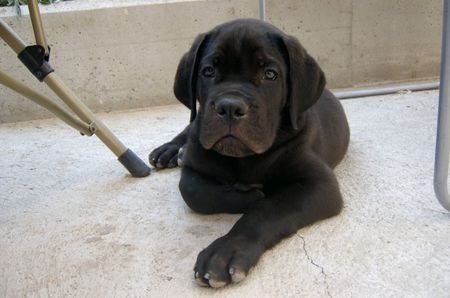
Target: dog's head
<point x="246" y="75"/>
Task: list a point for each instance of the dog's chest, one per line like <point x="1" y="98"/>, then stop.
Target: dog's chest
<point x="254" y="170"/>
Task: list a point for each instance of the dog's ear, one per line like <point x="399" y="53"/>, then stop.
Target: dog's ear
<point x="305" y="81"/>
<point x="186" y="76"/>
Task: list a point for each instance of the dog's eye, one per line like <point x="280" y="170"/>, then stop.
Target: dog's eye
<point x="270" y="75"/>
<point x="208" y="71"/>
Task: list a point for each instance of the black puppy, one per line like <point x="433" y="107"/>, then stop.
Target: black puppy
<point x="264" y="142"/>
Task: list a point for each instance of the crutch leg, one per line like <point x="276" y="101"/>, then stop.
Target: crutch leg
<point x="35" y="59"/>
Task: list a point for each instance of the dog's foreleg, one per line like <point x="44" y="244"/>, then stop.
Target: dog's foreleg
<point x="205" y="195"/>
<point x="316" y="196"/>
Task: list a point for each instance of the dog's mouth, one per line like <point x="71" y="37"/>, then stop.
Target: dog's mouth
<point x="229" y="145"/>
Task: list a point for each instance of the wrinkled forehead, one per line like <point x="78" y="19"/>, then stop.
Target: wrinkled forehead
<point x="243" y="42"/>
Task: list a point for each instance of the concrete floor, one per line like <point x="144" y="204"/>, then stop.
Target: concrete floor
<point x="73" y="223"/>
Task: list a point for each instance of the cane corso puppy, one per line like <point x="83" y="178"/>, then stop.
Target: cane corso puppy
<point x="263" y="142"/>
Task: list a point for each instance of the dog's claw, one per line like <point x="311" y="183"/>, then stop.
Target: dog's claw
<point x="200" y="280"/>
<point x="180" y="156"/>
<point x="207" y="276"/>
<point x="238" y="277"/>
<point x="217" y="284"/>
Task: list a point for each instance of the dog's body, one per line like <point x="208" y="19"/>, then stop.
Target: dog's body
<point x="264" y="142"/>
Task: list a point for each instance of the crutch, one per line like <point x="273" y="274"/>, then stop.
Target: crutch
<point x="36" y="59"/>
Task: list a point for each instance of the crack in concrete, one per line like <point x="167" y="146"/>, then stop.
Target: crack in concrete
<point x="322" y="270"/>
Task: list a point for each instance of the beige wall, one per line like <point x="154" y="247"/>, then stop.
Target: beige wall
<point x="125" y="57"/>
<point x="366" y="42"/>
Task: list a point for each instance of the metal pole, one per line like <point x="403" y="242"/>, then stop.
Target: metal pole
<point x="443" y="128"/>
<point x="104" y="134"/>
<point x="372" y="91"/>
<point x="45" y="102"/>
<point x="11" y="38"/>
<point x="36" y="21"/>
<point x="262" y="10"/>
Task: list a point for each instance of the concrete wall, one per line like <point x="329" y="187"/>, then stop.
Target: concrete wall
<point x="366" y="42"/>
<point x="124" y="55"/>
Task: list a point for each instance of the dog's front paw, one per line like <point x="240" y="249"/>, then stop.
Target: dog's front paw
<point x="165" y="156"/>
<point x="227" y="260"/>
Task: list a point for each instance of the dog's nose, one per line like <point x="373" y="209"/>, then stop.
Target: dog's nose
<point x="231" y="108"/>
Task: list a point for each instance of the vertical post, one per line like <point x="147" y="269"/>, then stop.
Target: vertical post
<point x="37" y="25"/>
<point x="443" y="128"/>
<point x="262" y="10"/>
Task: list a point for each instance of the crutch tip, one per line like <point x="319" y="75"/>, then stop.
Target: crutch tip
<point x="136" y="166"/>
